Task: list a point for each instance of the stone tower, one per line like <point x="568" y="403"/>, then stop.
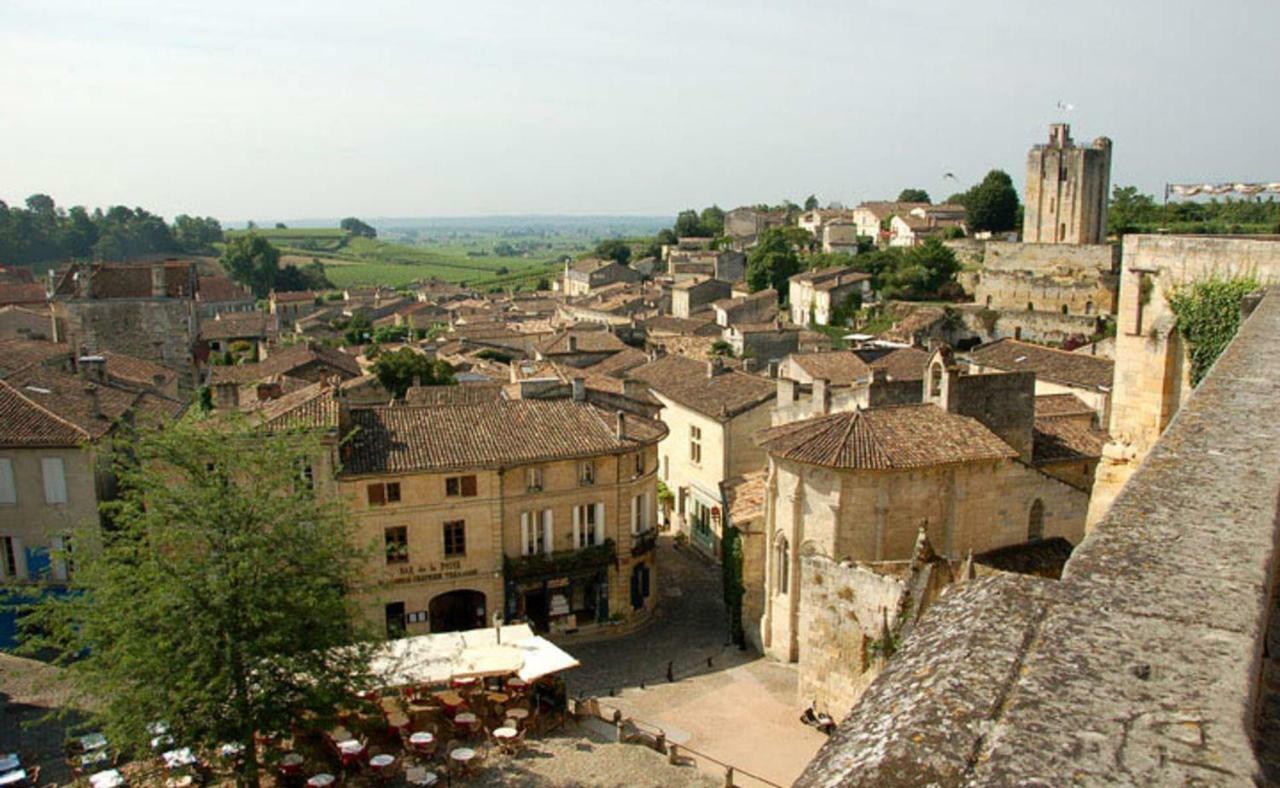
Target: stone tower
<point x="1067" y="189"/>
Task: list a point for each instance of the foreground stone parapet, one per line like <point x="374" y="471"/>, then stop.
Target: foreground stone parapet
<point x="1141" y="666"/>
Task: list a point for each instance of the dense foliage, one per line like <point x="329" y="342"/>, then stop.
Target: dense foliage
<point x="708" y="224"/>
<point x="1133" y="212"/>
<point x="42" y="233"/>
<point x="400" y="369"/>
<point x="913" y="195"/>
<point x="992" y="205"/>
<point x="775" y="259"/>
<point x="613" y="249"/>
<point x="358" y="228"/>
<point x="252" y="261"/>
<point x="219" y="598"/>
<point x="1207" y="315"/>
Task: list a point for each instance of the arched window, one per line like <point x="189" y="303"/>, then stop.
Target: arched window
<point x="988" y="301"/>
<point x="1035" y="522"/>
<point x="782" y="565"/>
<point x="1064" y="309"/>
<point x="1088" y="307"/>
<point x="935" y="380"/>
<point x="1031" y="307"/>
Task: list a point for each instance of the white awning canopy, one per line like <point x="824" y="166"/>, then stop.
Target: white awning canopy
<point x="437" y="658"/>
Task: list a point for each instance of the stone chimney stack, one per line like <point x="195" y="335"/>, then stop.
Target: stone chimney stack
<point x="714" y="367"/>
<point x="787" y="389"/>
<point x="748" y="365"/>
<point x="157" y="280"/>
<point x="773" y="370"/>
<point x="92" y="368"/>
<point x="95" y="404"/>
<point x="226" y="396"/>
<point x="579" y="390"/>
<point x="821" y="405"/>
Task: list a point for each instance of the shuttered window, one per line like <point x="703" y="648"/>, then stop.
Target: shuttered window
<point x="55" y="480"/>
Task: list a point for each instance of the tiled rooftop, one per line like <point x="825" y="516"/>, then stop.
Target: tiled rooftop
<point x="685" y="381"/>
<point x="1056" y="366"/>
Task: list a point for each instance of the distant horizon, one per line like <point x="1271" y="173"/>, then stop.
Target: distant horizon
<point x="572" y="108"/>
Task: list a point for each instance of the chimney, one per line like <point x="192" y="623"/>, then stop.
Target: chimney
<point x="821" y="404"/>
<point x="620" y="426"/>
<point x="95" y="404"/>
<point x="714" y="367"/>
<point x="226" y="396"/>
<point x="579" y="390"/>
<point x="573" y="343"/>
<point x="92" y="368"/>
<point x="514" y="367"/>
<point x="787" y="389"/>
<point x="157" y="280"/>
<point x="773" y="370"/>
<point x="748" y="365"/>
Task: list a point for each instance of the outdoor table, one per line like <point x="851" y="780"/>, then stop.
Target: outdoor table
<point x="338" y="734"/>
<point x="93" y="741"/>
<point x="185" y="781"/>
<point x="380" y="763"/>
<point x="111" y="778"/>
<point x="291" y="764"/>
<point x="397" y="723"/>
<point x="450" y="700"/>
<point x="463" y="755"/>
<point x="464" y="682"/>
<point x="161" y="741"/>
<point x="422" y="743"/>
<point x="322" y="780"/>
<point x="518" y="713"/>
<point x="516" y="685"/>
<point x="465" y="719"/>
<point x="499" y="698"/>
<point x="418" y="775"/>
<point x="94" y="757"/>
<point x="174" y="759"/>
<point x="231" y="750"/>
<point x="10" y="762"/>
<point x="15" y="777"/>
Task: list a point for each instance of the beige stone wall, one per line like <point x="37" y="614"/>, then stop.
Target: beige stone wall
<point x="31" y="520"/>
<point x="845" y="608"/>
<point x="1152" y="376"/>
<point x="875" y="516"/>
<point x="162" y="330"/>
<point x="493" y="529"/>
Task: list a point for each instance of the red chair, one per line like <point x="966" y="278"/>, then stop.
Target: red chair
<point x="382" y="766"/>
<point x="352" y="753"/>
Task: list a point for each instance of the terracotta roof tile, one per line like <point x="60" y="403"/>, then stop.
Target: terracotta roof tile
<point x="904" y="363"/>
<point x="838" y="366"/>
<point x="745" y="497"/>
<point x="284" y="360"/>
<point x="893" y="437"/>
<point x="1048" y="405"/>
<point x="404" y="438"/>
<point x="218" y="289"/>
<point x="587" y="342"/>
<point x="17" y="354"/>
<point x="56" y="409"/>
<point x="22" y="293"/>
<point x="1065" y="438"/>
<point x="684" y="381"/>
<point x="235" y="325"/>
<point x="1056" y="366"/>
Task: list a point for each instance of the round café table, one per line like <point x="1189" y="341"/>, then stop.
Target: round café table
<point x="423" y="743"/>
<point x="322" y="780"/>
<point x="518" y="713"/>
<point x="505" y="736"/>
<point x="290" y="765"/>
<point x="463" y="756"/>
<point x="381" y="763"/>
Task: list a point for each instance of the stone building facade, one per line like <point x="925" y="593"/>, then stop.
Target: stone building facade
<point x="815" y="295"/>
<point x="1067" y="190"/>
<point x="1070" y="279"/>
<point x="1152" y="376"/>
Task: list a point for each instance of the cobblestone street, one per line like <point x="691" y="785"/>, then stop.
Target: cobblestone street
<point x="689" y="626"/>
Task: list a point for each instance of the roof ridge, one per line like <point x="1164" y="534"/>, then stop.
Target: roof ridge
<point x="46" y="411"/>
<point x="873" y="436"/>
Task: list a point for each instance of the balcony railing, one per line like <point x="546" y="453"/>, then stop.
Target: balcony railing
<point x="562" y="562"/>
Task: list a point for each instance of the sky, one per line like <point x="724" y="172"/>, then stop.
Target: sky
<point x="279" y="110"/>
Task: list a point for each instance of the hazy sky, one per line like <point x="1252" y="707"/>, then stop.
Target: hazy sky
<point x="311" y="109"/>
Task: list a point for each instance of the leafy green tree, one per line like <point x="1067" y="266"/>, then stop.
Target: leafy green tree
<point x="774" y="259"/>
<point x="668" y="237"/>
<point x="195" y="233"/>
<point x="712" y="221"/>
<point x="281" y="226"/>
<point x="252" y="261"/>
<point x="992" y="205"/>
<point x="543" y="284"/>
<point x="358" y="330"/>
<point x="613" y="249"/>
<point x="921" y="272"/>
<point x="219" y="599"/>
<point x="356" y="227"/>
<point x="504" y="249"/>
<point x="811" y="202"/>
<point x="1130" y="210"/>
<point x="913" y="195"/>
<point x="399" y="370"/>
<point x="689" y="225"/>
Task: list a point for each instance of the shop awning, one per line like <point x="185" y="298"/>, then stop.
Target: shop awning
<point x="437" y="658"/>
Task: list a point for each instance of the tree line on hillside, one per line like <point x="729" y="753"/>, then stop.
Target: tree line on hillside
<point x="42" y="232"/>
<point x="1131" y="211"/>
<point x="254" y="262"/>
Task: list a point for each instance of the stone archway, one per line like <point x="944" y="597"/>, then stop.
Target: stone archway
<point x="457" y="610"/>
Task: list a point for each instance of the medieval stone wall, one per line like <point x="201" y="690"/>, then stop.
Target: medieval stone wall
<point x="1050" y="328"/>
<point x="162" y="330"/>
<point x="1063" y="278"/>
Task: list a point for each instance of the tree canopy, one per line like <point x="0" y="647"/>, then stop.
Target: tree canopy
<point x="399" y="369"/>
<point x="356" y="227"/>
<point x="219" y="600"/>
<point x="311" y="276"/>
<point x="921" y="272"/>
<point x="811" y="202"/>
<point x="992" y="205"/>
<point x="613" y="249"/>
<point x="252" y="261"/>
<point x="42" y="232"/>
<point x="913" y="195"/>
<point x="775" y="259"/>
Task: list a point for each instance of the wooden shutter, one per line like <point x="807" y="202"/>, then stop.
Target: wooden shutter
<point x="577" y="526"/>
<point x="377" y="494"/>
<point x="598" y="536"/>
<point x="468" y="486"/>
<point x="8" y="490"/>
<point x="648" y="516"/>
<point x="548" y="532"/>
<point x="526" y="545"/>
<point x="635" y="515"/>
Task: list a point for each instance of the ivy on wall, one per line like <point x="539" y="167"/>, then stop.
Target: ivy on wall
<point x="731" y="566"/>
<point x="1207" y="315"/>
